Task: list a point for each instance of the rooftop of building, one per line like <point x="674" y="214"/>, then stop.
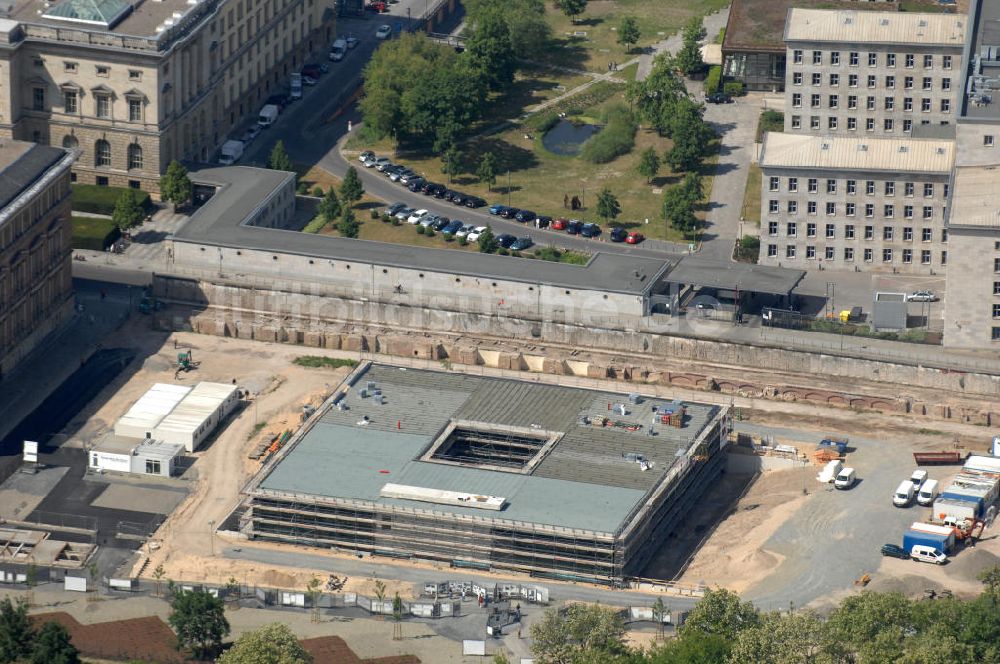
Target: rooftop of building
<point x="240" y="190"/>
<point x="759" y="25"/>
<point x="22" y="164"/>
<point x="582" y="481"/>
<point x="974" y="202"/>
<point x="901" y="155"/>
<point x="149" y="448"/>
<point x="981" y="101"/>
<point x="864" y="27"/>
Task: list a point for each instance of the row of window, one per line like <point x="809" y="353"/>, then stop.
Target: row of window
<point x="103" y="103"/>
<point x="888" y="232"/>
<point x="854" y="59"/>
<point x="103" y="153"/>
<point x="871" y="103"/>
<point x="833" y="123"/>
<point x="850" y="209"/>
<point x="816" y="78"/>
<point x="104" y="71"/>
<point x="851" y="186"/>
<point x="868" y="255"/>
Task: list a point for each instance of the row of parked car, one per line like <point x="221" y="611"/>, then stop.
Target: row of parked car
<point x="416" y="183"/>
<point x="456" y="227"/>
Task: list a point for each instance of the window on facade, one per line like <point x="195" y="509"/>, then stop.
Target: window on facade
<point x="134" y="74"/>
<point x="793" y="184"/>
<point x="852" y="187"/>
<point x="946" y="61"/>
<point x="925" y="105"/>
<point x="871" y="81"/>
<point x="908" y="82"/>
<point x="834" y="57"/>
<point x="772" y="207"/>
<point x="848" y="253"/>
<point x="909" y="60"/>
<point x="870" y="103"/>
<point x="134" y="156"/>
<point x="831" y="208"/>
<point x="907" y="104"/>
<point x="69" y="67"/>
<point x="828" y="253"/>
<point x="946" y="106"/>
<point x="103" y="71"/>
<point x="995" y="334"/>
<point x="813" y="185"/>
<point x="852" y="59"/>
<point x="796" y="122"/>
<point x="70" y="101"/>
<point x="811" y="207"/>
<point x="102" y="153"/>
<point x="907" y="125"/>
<point x="868" y="255"/>
<point x="831" y="231"/>
<point x="852" y="102"/>
<point x="811" y="229"/>
<point x="890" y="103"/>
<point x="852" y="80"/>
<point x="849" y="209"/>
<point x="102" y="105"/>
<point x="887" y="124"/>
<point x="834" y="80"/>
<point x="815" y="101"/>
<point x="996" y="287"/>
<point x="852" y="123"/>
<point x="810" y="252"/>
<point x="946" y="84"/>
<point x="797" y="57"/>
<point x="907" y="256"/>
<point x="69" y="142"/>
<point x="834" y="101"/>
<point x="797" y="78"/>
<point x="792" y="207"/>
<point x="816" y="79"/>
<point x="38" y="99"/>
<point x="925" y="235"/>
<point x="135" y="110"/>
<point x="817" y="57"/>
<point x="928" y="212"/>
<point x="887" y="233"/>
<point x="870" y="124"/>
<point x="796" y="100"/>
<point x="928" y="61"/>
<point x="890" y="59"/>
<point x="814" y="122"/>
<point x="789" y="251"/>
<point x="890" y="82"/>
<point x="832" y="123"/>
<point x="907" y="234"/>
<point x="152" y="466"/>
<point x="772" y="250"/>
<point x="831" y="186"/>
<point x="888" y="211"/>
<point x="873" y="59"/>
<point x="849" y="231"/>
<point x="887" y="255"/>
<point x="773" y="184"/>
<point x="772" y="228"/>
<point x="869" y="232"/>
<point x="925" y="257"/>
<point x="928" y="190"/>
<point x="791" y="229"/>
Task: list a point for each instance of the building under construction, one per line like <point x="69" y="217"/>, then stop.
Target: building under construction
<point x="488" y="473"/>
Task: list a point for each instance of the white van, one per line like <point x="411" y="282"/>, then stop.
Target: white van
<point x="927" y="554"/>
<point x="928" y="493"/>
<point x="918" y="477"/>
<point x="845" y="479"/>
<point x="338" y="50"/>
<point x="904" y="494"/>
<point x="295" y="86"/>
<point x="267" y="116"/>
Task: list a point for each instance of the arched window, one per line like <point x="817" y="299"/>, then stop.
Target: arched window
<point x="70" y="142"/>
<point x="134" y="156"/>
<point x="102" y="153"/>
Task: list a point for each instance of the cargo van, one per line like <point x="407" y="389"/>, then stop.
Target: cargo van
<point x="918" y="477"/>
<point x="267" y="116"/>
<point x="231" y="152"/>
<point x="295" y="91"/>
<point x="927" y="554"/>
<point x="904" y="494"/>
<point x="845" y="479"/>
<point x="928" y="493"/>
<point x="338" y="50"/>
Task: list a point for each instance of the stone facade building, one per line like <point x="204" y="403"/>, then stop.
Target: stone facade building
<point x="35" y="270"/>
<point x="135" y="85"/>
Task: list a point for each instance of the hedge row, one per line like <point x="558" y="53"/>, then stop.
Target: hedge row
<point x="617" y="138"/>
<point x="93" y="233"/>
<point x="713" y="80"/>
<point x="101" y="200"/>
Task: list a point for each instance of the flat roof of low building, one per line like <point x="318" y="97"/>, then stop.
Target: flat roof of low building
<point x="981" y="101"/>
<point x="729" y="275"/>
<point x="865" y="27"/>
<point x="974" y="200"/>
<point x="584" y="481"/>
<point x="897" y="155"/>
<point x="22" y="164"/>
<point x="240" y="189"/>
<point x="195" y="408"/>
<point x="150" y="409"/>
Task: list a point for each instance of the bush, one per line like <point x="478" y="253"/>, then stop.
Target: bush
<point x="617" y="137"/>
<point x="542" y="122"/>
<point x="374" y="213"/>
<point x="396" y="222"/>
<point x="302" y="189"/>
<point x="503" y="252"/>
<point x="463" y="241"/>
<point x="735" y="88"/>
<point x="713" y="80"/>
<point x="748" y="249"/>
<point x="101" y="200"/>
<point x="93" y="233"/>
<point x="448" y="237"/>
<point x="421" y="230"/>
<point x="318" y="362"/>
<point x="548" y="254"/>
<point x="316" y="225"/>
<point x="429" y="232"/>
<point x="318" y="191"/>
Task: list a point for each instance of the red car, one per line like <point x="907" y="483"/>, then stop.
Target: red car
<point x="634" y="238"/>
<point x="377" y="6"/>
<point x="559" y="224"/>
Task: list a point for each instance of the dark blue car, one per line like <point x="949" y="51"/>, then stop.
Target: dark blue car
<point x="496" y="208"/>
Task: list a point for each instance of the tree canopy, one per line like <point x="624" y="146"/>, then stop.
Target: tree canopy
<point x="628" y="32"/>
<point x="572" y="8"/>
<point x="271" y="644"/>
<point x="329" y="207"/>
<point x="127" y="213"/>
<point x="351" y="189"/>
<point x="175" y="185"/>
<point x="580" y="632"/>
<point x="52" y="646"/>
<point x="15" y="630"/>
<point x="199" y="621"/>
<point x="608" y="206"/>
<point x="689" y="58"/>
<point x="487" y="170"/>
<point x="279" y="160"/>
<point x="490" y="49"/>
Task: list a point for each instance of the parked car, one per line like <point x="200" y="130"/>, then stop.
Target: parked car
<point x="441" y="223"/>
<point x="405" y="213"/>
<point x="453" y="227"/>
<point x="922" y="296"/>
<point x="384" y="31"/>
<point x="369" y="162"/>
<point x="473" y="236"/>
<point x="506" y="240"/>
<point x="250" y="134"/>
<point x="430" y="188"/>
<point x="509" y="212"/>
<point x="351" y="40"/>
<point x="378" y="7"/>
<point x="559" y="224"/>
<point x="590" y="230"/>
<point x="522" y="243"/>
<point x="496" y="209"/>
<point x="525" y="216"/>
<point x="409" y="176"/>
<point x="928" y="554"/>
<point x="574" y="226"/>
<point x="457" y="198"/>
<point x="397" y="174"/>
<point x="635" y="237"/>
<point x="441" y="193"/>
<point x="312" y="70"/>
<point x="719" y="98"/>
<point x="618" y="234"/>
<point x="895" y="551"/>
<point x="416" y="216"/>
<point x="414" y="184"/>
<point x="543" y="222"/>
<point x="472" y="201"/>
<point x="365" y="156"/>
<point x="281" y="101"/>
<point x="429" y="220"/>
<point x="394" y="208"/>
<point x="382" y="163"/>
<point x="464" y="230"/>
<point x="904" y="493"/>
<point x="845" y="479"/>
<point x="308" y="81"/>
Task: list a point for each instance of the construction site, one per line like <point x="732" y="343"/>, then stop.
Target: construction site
<point x="488" y="474"/>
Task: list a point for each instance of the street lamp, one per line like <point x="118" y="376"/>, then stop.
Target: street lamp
<point x="211" y="536"/>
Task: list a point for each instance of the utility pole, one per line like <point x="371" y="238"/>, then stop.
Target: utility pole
<point x="508" y="187"/>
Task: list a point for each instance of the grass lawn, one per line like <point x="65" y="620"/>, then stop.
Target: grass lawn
<point x="657" y="19"/>
<point x="93" y="233"/>
<point x="769" y="121"/>
<point x="751" y="196"/>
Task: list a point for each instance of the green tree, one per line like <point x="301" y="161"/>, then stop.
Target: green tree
<point x="628" y="33"/>
<point x="655" y="97"/>
<point x="279" y="160"/>
<point x="779" y="639"/>
<point x="691" y="648"/>
<point x="720" y="612"/>
<point x="573" y="8"/>
<point x="870" y="627"/>
<point x="608" y="206"/>
<point x="691" y="136"/>
<point x="158" y="574"/>
<point x="351" y="189"/>
<point x="693" y="187"/>
<point x="348" y="225"/>
<point x="649" y="164"/>
<point x="524" y="18"/>
<point x="15" y="630"/>
<point x="451" y="162"/>
<point x="487" y="170"/>
<point x="689" y="57"/>
<point x="488" y="241"/>
<point x="329" y="207"/>
<point x="127" y="213"/>
<point x="490" y="50"/>
<point x="580" y="632"/>
<point x="678" y="209"/>
<point x="199" y="621"/>
<point x="271" y="644"/>
<point x="52" y="646"/>
<point x="175" y="185"/>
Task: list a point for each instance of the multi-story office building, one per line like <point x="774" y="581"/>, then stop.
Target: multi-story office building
<point x="35" y="270"/>
<point x="848" y="202"/>
<point x="972" y="292"/>
<point x="870" y="73"/>
<point x="134" y="85"/>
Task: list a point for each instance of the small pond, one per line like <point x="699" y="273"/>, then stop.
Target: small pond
<point x="566" y="138"/>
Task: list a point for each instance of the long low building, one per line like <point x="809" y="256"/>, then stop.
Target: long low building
<point x="177" y="414"/>
<point x="489" y="473"/>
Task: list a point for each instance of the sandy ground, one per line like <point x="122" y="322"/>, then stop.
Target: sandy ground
<point x="733" y="556"/>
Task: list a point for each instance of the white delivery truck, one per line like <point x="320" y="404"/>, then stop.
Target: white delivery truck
<point x="338" y="50"/>
<point x="928" y="493"/>
<point x="231" y="152"/>
<point x="904" y="494"/>
<point x="296" y="86"/>
<point x="267" y="116"/>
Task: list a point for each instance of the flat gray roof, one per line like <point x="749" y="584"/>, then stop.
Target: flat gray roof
<point x="583" y="483"/>
<point x="981" y="98"/>
<point x="730" y="275"/>
<point x="221" y="223"/>
<point x="22" y="164"/>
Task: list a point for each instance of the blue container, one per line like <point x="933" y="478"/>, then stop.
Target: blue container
<point x="914" y="537"/>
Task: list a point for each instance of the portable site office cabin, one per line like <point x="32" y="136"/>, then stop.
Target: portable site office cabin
<point x="197" y="415"/>
<point x="146" y="413"/>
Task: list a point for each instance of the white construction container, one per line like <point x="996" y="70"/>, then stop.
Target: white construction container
<point x="830" y="471"/>
<point x="986" y="464"/>
<point x="957" y="509"/>
<point x="146" y="413"/>
<point x="197" y="414"/>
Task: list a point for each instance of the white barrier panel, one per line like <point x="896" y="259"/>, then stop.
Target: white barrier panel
<point x="75" y="583"/>
<point x="422" y="610"/>
<point x="474" y="648"/>
<point x="293" y="599"/>
<point x="122" y="584"/>
<point x="350" y="599"/>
